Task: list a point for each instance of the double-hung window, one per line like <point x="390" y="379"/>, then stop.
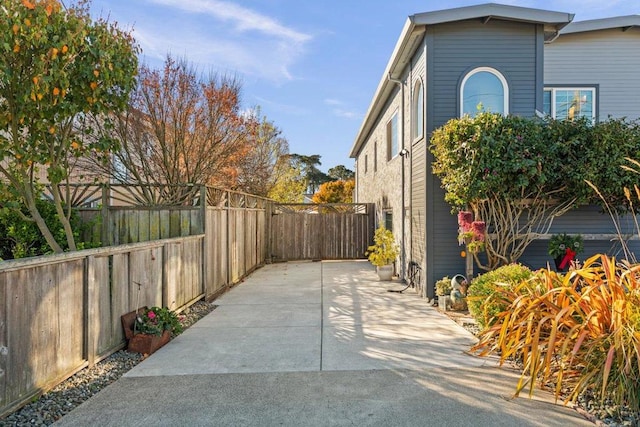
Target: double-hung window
<point x="570" y="103"/>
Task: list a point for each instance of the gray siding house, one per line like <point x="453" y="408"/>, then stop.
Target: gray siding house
<point x="533" y="59"/>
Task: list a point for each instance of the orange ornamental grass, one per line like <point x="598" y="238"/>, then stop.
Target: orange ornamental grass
<point x="578" y="332"/>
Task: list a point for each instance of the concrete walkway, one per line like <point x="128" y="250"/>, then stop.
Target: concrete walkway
<point x="319" y="344"/>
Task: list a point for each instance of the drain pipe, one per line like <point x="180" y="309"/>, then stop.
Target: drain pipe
<point x="403" y="153"/>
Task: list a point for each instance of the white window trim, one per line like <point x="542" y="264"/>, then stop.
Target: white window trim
<point x="414" y="113"/>
<point x="498" y="74"/>
<point x="554" y="89"/>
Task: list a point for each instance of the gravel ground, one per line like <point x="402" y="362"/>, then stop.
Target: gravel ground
<point x="53" y="405"/>
<point x="601" y="414"/>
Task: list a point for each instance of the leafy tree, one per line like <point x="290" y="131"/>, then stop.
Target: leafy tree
<point x="335" y="192"/>
<point x="56" y="66"/>
<point x="309" y="167"/>
<point x="20" y="238"/>
<point x="257" y="168"/>
<point x="517" y="174"/>
<point x="179" y="128"/>
<point x="505" y="170"/>
<point x="340" y="172"/>
<point x="290" y="184"/>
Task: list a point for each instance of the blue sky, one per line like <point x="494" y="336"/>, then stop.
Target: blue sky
<point x="312" y="66"/>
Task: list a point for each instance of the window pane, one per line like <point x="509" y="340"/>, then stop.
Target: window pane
<point x="388" y="221"/>
<point x="394" y="135"/>
<point x="483" y="89"/>
<point x="546" y="102"/>
<point x="418" y="108"/>
<point x="573" y="103"/>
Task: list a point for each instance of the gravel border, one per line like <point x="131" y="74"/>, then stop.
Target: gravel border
<point x="69" y="394"/>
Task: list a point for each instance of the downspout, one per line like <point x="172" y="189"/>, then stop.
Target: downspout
<point x="403" y="154"/>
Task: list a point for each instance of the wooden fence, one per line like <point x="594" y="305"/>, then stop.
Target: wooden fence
<point x="321" y="231"/>
<point x="61" y="313"/>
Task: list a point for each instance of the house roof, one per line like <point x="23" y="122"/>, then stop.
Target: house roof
<point x="622" y="22"/>
<point x="415" y="27"/>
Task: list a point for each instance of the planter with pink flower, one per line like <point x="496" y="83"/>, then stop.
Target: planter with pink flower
<point x="148" y="329"/>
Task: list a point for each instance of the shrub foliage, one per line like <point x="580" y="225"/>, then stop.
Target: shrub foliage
<point x="578" y="332"/>
<point x="483" y="298"/>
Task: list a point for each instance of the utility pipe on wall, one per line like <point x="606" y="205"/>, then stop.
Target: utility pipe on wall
<point x="403" y="153"/>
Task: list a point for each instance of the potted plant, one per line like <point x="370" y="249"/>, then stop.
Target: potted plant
<point x="443" y="286"/>
<point x="383" y="253"/>
<point x="148" y="329"/>
<point x="564" y="248"/>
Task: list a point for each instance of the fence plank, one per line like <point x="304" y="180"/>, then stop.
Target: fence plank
<point x="321" y="232"/>
<point x="4" y="344"/>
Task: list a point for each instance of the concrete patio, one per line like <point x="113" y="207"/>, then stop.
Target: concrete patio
<point x="319" y="344"/>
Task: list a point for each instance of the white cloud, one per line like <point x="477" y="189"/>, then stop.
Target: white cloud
<point x="339" y="109"/>
<point x="238" y="39"/>
<point x="347" y="114"/>
<point x="245" y="19"/>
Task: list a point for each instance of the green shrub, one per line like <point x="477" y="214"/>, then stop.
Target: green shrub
<point x="483" y="305"/>
<point x="20" y="238"/>
<point x="443" y="286"/>
<point x="576" y="333"/>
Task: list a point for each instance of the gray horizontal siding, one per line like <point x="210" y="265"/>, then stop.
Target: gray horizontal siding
<point x="446" y="252"/>
<point x="608" y="58"/>
<point x="418" y="206"/>
<point x="506" y="46"/>
<point x="456" y="48"/>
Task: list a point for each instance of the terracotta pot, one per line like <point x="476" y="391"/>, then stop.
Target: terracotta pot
<point x="385" y="272"/>
<point x="148" y="344"/>
<point x="141" y="343"/>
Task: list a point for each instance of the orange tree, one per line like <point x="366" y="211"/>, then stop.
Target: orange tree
<point x="180" y="127"/>
<point x="335" y="192"/>
<point x="56" y="66"/>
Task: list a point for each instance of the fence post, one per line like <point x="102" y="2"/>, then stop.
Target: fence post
<point x="204" y="261"/>
<point x="268" y="213"/>
<point x="91" y="319"/>
<point x="104" y="233"/>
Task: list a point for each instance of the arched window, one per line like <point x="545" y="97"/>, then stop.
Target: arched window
<point x="418" y="110"/>
<point x="484" y="89"/>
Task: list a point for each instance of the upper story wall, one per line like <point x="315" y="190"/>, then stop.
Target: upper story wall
<point x="607" y="59"/>
<point x="512" y="48"/>
<point x="378" y="175"/>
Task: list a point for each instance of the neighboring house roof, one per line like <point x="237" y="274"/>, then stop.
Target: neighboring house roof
<point x="623" y="22"/>
<point x="415" y="27"/>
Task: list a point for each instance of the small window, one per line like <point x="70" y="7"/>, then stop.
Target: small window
<point x="565" y="103"/>
<point x="375" y="156"/>
<point x="366" y="163"/>
<point x="388" y="220"/>
<point x="418" y="110"/>
<point x="392" y="137"/>
<point x="484" y="89"/>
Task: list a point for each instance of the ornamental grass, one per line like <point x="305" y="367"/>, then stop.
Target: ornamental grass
<point x="577" y="332"/>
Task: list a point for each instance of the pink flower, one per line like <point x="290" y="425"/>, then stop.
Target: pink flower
<point x="478" y="228"/>
<point x="464" y="220"/>
<point x="151" y="315"/>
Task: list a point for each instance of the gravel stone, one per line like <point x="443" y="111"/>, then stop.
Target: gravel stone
<point x="61" y="400"/>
